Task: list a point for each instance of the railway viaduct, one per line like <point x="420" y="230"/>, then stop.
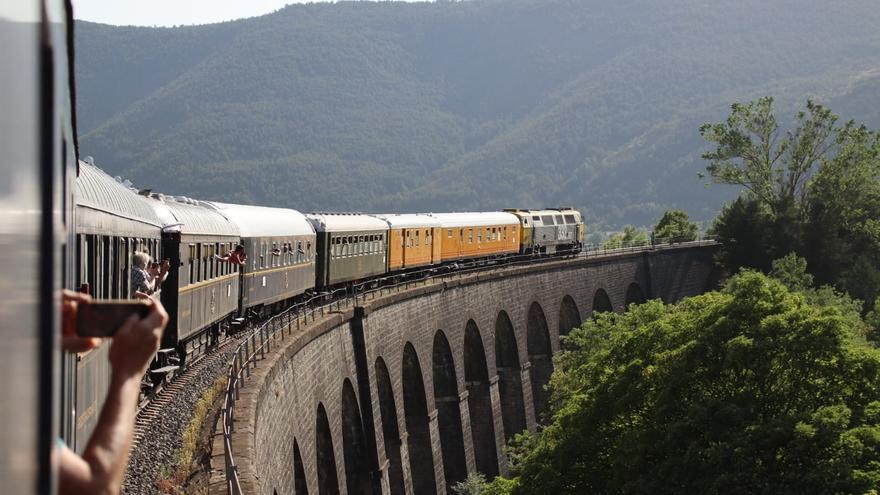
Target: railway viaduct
<point x="409" y="391"/>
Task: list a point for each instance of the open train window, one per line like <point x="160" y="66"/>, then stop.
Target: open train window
<point x="308" y="250"/>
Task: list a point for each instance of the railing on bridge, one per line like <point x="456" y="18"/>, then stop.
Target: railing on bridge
<point x="258" y="342"/>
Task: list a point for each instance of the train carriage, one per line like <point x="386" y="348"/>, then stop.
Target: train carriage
<point x="477" y="235"/>
<point x="112" y="222"/>
<point x="413" y="241"/>
<point x="350" y="247"/>
<point x="201" y="292"/>
<point x="280" y="244"/>
<point x="550" y="230"/>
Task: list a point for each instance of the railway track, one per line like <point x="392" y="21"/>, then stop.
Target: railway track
<point x="155" y="402"/>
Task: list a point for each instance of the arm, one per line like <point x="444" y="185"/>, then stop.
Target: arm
<point x="164" y="269"/>
<point x="102" y="465"/>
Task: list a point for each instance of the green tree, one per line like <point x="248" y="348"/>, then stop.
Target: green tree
<point x="675" y="226"/>
<point x="791" y="270"/>
<point x="843" y="229"/>
<point x="631" y="236"/>
<point x="751" y="152"/>
<point x="744" y="229"/>
<point x="748" y="390"/>
<point x="814" y="190"/>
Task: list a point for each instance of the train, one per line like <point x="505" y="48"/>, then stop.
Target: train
<point x="291" y="256"/>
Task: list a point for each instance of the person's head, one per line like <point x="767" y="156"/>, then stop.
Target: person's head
<point x="154" y="268"/>
<point x="239" y="248"/>
<point x="140" y="259"/>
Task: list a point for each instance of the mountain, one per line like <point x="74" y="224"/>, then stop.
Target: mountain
<point x="462" y="105"/>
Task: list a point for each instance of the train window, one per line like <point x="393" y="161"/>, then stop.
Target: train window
<point x="559" y="220"/>
<point x="505" y="233"/>
<point x="308" y="250"/>
<point x="570" y="219"/>
<point x="449" y="233"/>
<point x="470" y="236"/>
<point x="417" y="238"/>
<point x="480" y="235"/>
<point x="536" y="218"/>
<point x="191" y="262"/>
<point x="197" y="260"/>
<point x="300" y="254"/>
<point x="547" y="219"/>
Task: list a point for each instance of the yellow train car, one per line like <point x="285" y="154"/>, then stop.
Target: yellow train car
<point x="412" y="241"/>
<point x="477" y="235"/>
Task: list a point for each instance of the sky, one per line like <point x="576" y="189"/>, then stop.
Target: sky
<point x="174" y="12"/>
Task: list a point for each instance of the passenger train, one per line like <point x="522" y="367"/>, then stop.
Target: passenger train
<point x="67" y="224"/>
<point x="291" y="256"/>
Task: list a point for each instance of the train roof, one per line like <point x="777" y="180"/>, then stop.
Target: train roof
<point x="345" y="222"/>
<point x="546" y="211"/>
<point x="188" y="216"/>
<point x="98" y="191"/>
<point x="409" y="220"/>
<point x="475" y="219"/>
<point x="262" y="221"/>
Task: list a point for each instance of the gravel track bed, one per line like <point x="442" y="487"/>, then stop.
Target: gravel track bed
<point x="162" y="438"/>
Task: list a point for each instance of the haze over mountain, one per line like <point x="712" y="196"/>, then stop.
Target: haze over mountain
<point x="469" y="105"/>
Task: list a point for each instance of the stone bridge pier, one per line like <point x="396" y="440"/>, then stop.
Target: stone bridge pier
<point x="409" y="392"/>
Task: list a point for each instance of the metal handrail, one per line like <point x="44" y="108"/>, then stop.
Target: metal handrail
<point x="246" y="354"/>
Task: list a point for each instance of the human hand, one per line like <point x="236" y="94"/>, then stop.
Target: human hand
<point x="136" y="341"/>
<point x="70" y="341"/>
<point x="165" y="266"/>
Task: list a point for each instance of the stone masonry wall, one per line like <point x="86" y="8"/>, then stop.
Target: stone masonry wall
<point x="279" y="405"/>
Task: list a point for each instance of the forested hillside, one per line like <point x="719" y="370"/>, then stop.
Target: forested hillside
<point x="452" y="106"/>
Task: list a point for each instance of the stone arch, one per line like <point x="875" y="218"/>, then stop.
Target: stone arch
<point x="328" y="482"/>
<point x="300" y="487"/>
<point x="415" y="409"/>
<point x="569" y="316"/>
<point x="601" y="302"/>
<point x="476" y="376"/>
<point x="540" y="357"/>
<point x="448" y="411"/>
<point x="634" y="295"/>
<point x="513" y="413"/>
<point x="354" y="443"/>
<point x="390" y="430"/>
